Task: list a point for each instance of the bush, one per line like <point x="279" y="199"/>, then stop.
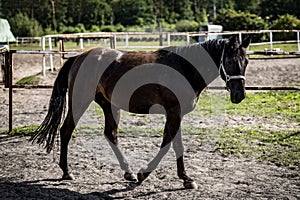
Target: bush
<point x="120" y="28"/>
<point x="108" y="28"/>
<point x="187" y="26"/>
<point x="232" y="20"/>
<point x="168" y="27"/>
<point x="50" y="31"/>
<point x="23" y="26"/>
<point x="285" y="22"/>
<point x="79" y="28"/>
<point x="113" y="28"/>
<point x="95" y="28"/>
<point x="67" y="29"/>
<point x="135" y="28"/>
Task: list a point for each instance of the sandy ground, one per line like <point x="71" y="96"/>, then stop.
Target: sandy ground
<point x="27" y="172"/>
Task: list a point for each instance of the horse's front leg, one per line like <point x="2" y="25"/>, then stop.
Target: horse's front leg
<point x="112" y="116"/>
<point x="111" y="134"/>
<point x="178" y="148"/>
<point x="172" y="133"/>
<point x="171" y="127"/>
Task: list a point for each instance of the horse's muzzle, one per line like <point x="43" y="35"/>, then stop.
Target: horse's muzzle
<point x="237" y="97"/>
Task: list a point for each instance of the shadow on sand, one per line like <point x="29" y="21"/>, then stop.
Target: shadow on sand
<point x="41" y="189"/>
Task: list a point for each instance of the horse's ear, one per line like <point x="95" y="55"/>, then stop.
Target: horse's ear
<point x="233" y="40"/>
<point x="246" y="42"/>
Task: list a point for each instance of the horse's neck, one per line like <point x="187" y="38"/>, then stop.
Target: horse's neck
<point x="214" y="48"/>
<point x="205" y="59"/>
<point x="190" y="52"/>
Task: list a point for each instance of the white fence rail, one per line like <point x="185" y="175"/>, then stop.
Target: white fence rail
<point x="122" y="40"/>
<point x="141" y="40"/>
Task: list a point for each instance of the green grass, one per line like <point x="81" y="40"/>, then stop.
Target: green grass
<point x="21" y="131"/>
<point x="282" y="103"/>
<point x="284" y="47"/>
<point x="279" y="147"/>
<point x="285" y="104"/>
<point x="291" y="47"/>
<point x="29" y="80"/>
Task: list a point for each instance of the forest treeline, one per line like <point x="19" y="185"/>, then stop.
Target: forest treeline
<point x="38" y="17"/>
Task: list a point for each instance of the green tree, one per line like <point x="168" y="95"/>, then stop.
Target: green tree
<point x="285" y="22"/>
<point x="187" y="26"/>
<point x="133" y="12"/>
<point x="172" y="11"/>
<point x="203" y="17"/>
<point x="252" y="6"/>
<point x="233" y="20"/>
<point x="273" y="8"/>
<point x="22" y="25"/>
<point x="184" y="9"/>
<point x="96" y="12"/>
<point x="1" y="15"/>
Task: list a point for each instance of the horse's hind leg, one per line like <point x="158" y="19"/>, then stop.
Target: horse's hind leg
<point x="65" y="136"/>
<point x="112" y="116"/>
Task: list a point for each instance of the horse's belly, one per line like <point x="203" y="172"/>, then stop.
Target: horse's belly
<point x="152" y="98"/>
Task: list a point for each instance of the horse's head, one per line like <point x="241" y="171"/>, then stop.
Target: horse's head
<point x="233" y="66"/>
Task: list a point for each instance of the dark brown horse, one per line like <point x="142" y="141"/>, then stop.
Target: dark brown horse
<point x="166" y="81"/>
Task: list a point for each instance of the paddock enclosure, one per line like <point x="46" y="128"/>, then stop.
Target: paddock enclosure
<point x="28" y="172"/>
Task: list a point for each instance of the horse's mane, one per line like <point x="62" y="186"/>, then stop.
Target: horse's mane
<point x="214" y="48"/>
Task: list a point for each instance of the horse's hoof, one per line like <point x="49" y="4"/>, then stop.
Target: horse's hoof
<point x="190" y="185"/>
<point x="140" y="177"/>
<point x="67" y="177"/>
<point x="130" y="177"/>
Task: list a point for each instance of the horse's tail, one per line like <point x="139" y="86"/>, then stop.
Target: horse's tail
<point x="47" y="131"/>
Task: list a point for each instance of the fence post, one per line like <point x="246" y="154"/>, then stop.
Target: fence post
<point x="240" y="36"/>
<point x="126" y="40"/>
<point x="113" y="42"/>
<point x="271" y="40"/>
<point x="8" y="66"/>
<point x="188" y="38"/>
<point x="81" y="42"/>
<point x="44" y="57"/>
<point x="40" y="41"/>
<point x="206" y="36"/>
<point x="51" y="56"/>
<point x="61" y="50"/>
<point x="298" y="41"/>
<point x="169" y="39"/>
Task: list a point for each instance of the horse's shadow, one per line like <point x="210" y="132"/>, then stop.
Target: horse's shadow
<point x="41" y="189"/>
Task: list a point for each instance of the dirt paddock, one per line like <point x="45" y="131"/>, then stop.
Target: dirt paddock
<point x="28" y="172"/>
